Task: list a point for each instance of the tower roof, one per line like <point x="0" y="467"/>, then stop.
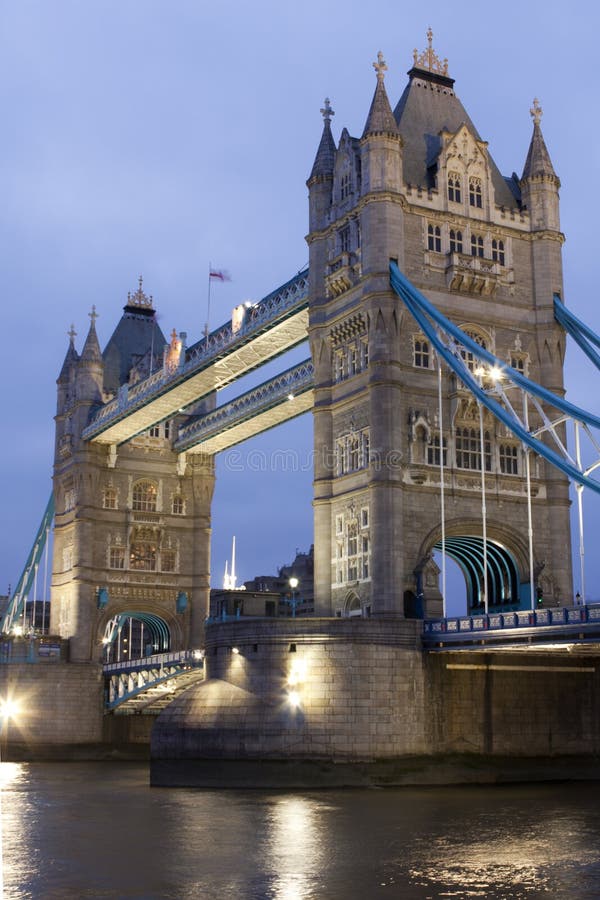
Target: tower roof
<point x="324" y="160"/>
<point x="91" y="349"/>
<point x="71" y="356"/>
<point x="538" y="160"/>
<point x="381" y="118"/>
<point x="136" y="334"/>
<point x="428" y="107"/>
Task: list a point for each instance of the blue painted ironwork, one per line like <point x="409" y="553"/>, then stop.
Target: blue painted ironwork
<point x="562" y="625"/>
<point x="294" y="381"/>
<point x="503" y="579"/>
<point x="581" y="333"/>
<point x="276" y="307"/>
<point x="16" y="604"/>
<point x="446" y="338"/>
<point x="126" y="680"/>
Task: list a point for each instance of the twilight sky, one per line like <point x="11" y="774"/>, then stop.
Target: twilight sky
<point x="153" y="136"/>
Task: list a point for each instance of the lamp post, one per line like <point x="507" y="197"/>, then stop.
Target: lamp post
<point x="293" y="582"/>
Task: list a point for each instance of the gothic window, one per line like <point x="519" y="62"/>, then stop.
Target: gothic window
<point x="366" y="444"/>
<point x="168" y="559"/>
<point x="509" y="459"/>
<point x="358" y="233"/>
<point x="340" y="366"/>
<point x="476" y="245"/>
<point x="354" y="454"/>
<point x="339" y="524"/>
<point x="475" y="194"/>
<point x="69" y="499"/>
<point x="498" y="251"/>
<point x="178" y="505"/>
<point x="354" y="361"/>
<point x="421" y="353"/>
<point x="469" y="358"/>
<point x="456" y="241"/>
<point x="433" y="451"/>
<point x="434" y="238"/>
<point x="344" y="236"/>
<point x="352" y="551"/>
<point x="468" y="449"/>
<point x="142" y="555"/>
<point x="364" y="517"/>
<point x="345" y="186"/>
<point x="364" y="354"/>
<point x="518" y="362"/>
<point x="144" y="496"/>
<point x="454" y="193"/>
<point x="167" y="427"/>
<point x="154" y="431"/>
<point x="365" y="557"/>
<point x="109" y="498"/>
<point x="116" y="557"/>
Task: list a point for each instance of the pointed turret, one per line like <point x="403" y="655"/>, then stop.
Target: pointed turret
<point x="538" y="162"/>
<point x="325" y="158"/>
<point x="91" y="352"/>
<point x="539" y="182"/>
<point x="71" y="357"/>
<point x="381" y="118"/>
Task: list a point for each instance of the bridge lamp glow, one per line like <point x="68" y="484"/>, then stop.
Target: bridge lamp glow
<point x="9" y="709"/>
<point x="290" y="396"/>
<point x="294" y="699"/>
<point x="297" y="673"/>
<point x="18" y="630"/>
<point x="235" y="650"/>
<point x="495" y="373"/>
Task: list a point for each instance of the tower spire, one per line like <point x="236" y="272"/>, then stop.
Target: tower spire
<point x="381" y="118"/>
<point x="538" y="162"/>
<point x="91" y="349"/>
<point x="324" y="160"/>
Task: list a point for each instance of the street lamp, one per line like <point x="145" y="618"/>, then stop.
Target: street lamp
<point x="293" y="582"/>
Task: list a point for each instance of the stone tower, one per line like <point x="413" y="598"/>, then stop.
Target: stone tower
<point x="132" y="524"/>
<point x="420" y="187"/>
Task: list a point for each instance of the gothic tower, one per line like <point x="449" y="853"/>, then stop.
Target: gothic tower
<point x="132" y="524"/>
<point x="420" y="187"/>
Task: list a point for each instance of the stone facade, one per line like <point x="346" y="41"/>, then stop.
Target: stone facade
<point x="132" y="524"/>
<point x="421" y="188"/>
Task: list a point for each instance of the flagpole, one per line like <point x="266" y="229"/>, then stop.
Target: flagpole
<point x="208" y="303"/>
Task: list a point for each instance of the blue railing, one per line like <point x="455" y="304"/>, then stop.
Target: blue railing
<point x="566" y="620"/>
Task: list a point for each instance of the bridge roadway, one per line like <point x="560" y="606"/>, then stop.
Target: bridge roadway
<point x="260" y="333"/>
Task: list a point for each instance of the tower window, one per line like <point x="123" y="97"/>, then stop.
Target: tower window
<point x="468" y="449"/>
<point x="177" y="507"/>
<point x="518" y="363"/>
<point x="116" y="558"/>
<point x="109" y="498"/>
<point x="498" y="251"/>
<point x="344" y="235"/>
<point x="509" y="459"/>
<point x="154" y="431"/>
<point x="144" y="496"/>
<point x="454" y="192"/>
<point x="433" y="451"/>
<point x="167" y="560"/>
<point x="475" y="193"/>
<point x="456" y="241"/>
<point x="345" y="186"/>
<point x="421" y="355"/>
<point x="143" y="556"/>
<point x="476" y="245"/>
<point x="434" y="238"/>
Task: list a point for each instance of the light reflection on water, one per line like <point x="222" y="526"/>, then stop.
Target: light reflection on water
<point x="87" y="830"/>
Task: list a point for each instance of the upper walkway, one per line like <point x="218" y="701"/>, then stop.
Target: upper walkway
<point x="260" y="333"/>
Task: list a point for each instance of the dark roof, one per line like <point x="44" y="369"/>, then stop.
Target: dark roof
<point x="136" y="334"/>
<point x="71" y="358"/>
<point x="427" y="107"/>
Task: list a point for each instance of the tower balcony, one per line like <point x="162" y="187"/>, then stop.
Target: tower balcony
<point x="342" y="272"/>
<point x="472" y="274"/>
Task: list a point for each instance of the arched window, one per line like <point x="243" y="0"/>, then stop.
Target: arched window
<point x="456" y="241"/>
<point x="476" y="245"/>
<point x="454" y="192"/>
<point x="144" y="496"/>
<point x="421" y="353"/>
<point x="178" y="505"/>
<point x="475" y="192"/>
<point x="109" y="498"/>
<point x="434" y="238"/>
<point x="498" y="251"/>
<point x="467" y="355"/>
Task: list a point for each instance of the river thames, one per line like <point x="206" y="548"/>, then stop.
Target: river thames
<point x="97" y="830"/>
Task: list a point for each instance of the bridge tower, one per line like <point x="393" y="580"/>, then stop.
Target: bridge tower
<point x="132" y="524"/>
<point x="420" y="186"/>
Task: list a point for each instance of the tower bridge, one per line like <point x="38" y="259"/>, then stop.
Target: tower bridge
<point x="433" y="307"/>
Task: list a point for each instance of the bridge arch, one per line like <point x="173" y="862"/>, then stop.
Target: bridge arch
<point x="130" y="632"/>
<point x="507" y="561"/>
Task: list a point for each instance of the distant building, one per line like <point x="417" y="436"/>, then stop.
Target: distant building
<point x="297" y="598"/>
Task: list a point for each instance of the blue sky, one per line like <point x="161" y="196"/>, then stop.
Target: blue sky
<point x="154" y="136"/>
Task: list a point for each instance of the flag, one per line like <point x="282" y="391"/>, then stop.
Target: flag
<point x="219" y="274"/>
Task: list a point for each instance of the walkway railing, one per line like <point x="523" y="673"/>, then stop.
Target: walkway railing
<point x="275" y="307"/>
<point x="292" y="382"/>
<point x="128" y="679"/>
<point x="563" y="624"/>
